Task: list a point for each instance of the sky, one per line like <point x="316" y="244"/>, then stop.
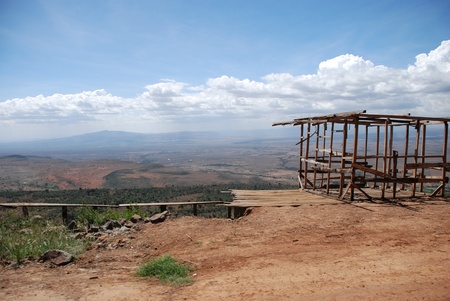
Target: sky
<point x="74" y="67"/>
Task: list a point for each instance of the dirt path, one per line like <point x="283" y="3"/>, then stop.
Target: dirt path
<point x="327" y="252"/>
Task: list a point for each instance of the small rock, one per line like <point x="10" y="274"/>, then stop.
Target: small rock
<point x="123" y="229"/>
<point x="72" y="225"/>
<point x="80" y="235"/>
<point x="147" y="220"/>
<point x="57" y="257"/>
<point x="159" y="217"/>
<point x="93" y="229"/>
<point x="109" y="225"/>
<point x="135" y="218"/>
<point x="103" y="237"/>
<point x="37" y="217"/>
<point x="129" y="224"/>
<point x="122" y="221"/>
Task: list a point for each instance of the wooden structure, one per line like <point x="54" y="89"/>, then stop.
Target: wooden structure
<point x="64" y="207"/>
<point x="243" y="199"/>
<point x="355" y="151"/>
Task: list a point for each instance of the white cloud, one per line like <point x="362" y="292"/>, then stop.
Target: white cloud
<point x="343" y="83"/>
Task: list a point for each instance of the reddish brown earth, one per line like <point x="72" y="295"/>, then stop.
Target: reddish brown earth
<point x="319" y="252"/>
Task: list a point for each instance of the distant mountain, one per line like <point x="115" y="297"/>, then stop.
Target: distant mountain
<point x="120" y="141"/>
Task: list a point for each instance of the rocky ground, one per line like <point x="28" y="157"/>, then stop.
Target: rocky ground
<point x="319" y="252"/>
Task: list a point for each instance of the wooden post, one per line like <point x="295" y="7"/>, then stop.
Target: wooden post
<point x="25" y="211"/>
<point x="394" y="174"/>
<point x="385" y="155"/>
<point x="354" y="159"/>
<point x="330" y="157"/>
<point x="444" y="157"/>
<point x="344" y="149"/>
<point x="405" y="160"/>
<point x="424" y="137"/>
<point x="323" y="151"/>
<point x="300" y="167"/>
<point x="416" y="158"/>
<point x="64" y="214"/>
<point x="390" y="152"/>
<point x="366" y="146"/>
<point x="307" y="155"/>
<point x="195" y="209"/>
<point x="377" y="153"/>
<point x="316" y="155"/>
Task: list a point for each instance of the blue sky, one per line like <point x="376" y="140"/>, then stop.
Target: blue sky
<point x="71" y="67"/>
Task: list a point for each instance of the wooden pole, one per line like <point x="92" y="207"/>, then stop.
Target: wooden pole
<point x="365" y="145"/>
<point x="330" y="157"/>
<point x="316" y="155"/>
<point x="377" y="153"/>
<point x="25" y="211"/>
<point x="394" y="174"/>
<point x="354" y="159"/>
<point x="64" y="214"/>
<point x="390" y="170"/>
<point x="385" y="155"/>
<point x="307" y="155"/>
<point x="424" y="137"/>
<point x="444" y="157"/>
<point x="405" y="160"/>
<point x="324" y="145"/>
<point x="300" y="184"/>
<point x="344" y="149"/>
<point x="416" y="158"/>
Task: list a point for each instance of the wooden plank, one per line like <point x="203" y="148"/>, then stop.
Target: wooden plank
<point x="370" y="170"/>
<point x="14" y="205"/>
<point x="312" y="161"/>
<point x="426" y="165"/>
<point x="171" y="204"/>
<point x="276" y="198"/>
<point x="52" y="205"/>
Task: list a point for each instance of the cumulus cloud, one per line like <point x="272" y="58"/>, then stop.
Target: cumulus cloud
<point x="343" y="83"/>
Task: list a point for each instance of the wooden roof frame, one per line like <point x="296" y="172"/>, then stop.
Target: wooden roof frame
<point x="333" y="157"/>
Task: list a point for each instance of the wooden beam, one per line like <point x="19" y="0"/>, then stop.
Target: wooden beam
<point x="427" y="165"/>
<point x="370" y="170"/>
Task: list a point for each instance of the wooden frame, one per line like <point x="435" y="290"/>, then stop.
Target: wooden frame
<point x="364" y="153"/>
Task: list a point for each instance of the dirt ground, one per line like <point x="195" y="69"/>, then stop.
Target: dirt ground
<point x="313" y="252"/>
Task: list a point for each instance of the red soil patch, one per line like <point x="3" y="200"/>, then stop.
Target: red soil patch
<point x="318" y="252"/>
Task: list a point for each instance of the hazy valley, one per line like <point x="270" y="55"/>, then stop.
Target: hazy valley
<point x="129" y="160"/>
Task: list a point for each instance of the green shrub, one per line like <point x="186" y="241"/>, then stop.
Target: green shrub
<point x="98" y="216"/>
<point x="23" y="238"/>
<point x="166" y="269"/>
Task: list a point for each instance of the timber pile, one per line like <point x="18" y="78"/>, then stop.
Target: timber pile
<point x="277" y="198"/>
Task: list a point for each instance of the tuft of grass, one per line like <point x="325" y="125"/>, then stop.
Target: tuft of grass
<point x="24" y="238"/>
<point x="96" y="216"/>
<point x="167" y="269"/>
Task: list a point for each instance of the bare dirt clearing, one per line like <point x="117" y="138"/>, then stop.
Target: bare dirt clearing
<point x="318" y="252"/>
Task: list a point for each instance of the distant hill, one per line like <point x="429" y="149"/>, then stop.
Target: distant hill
<point x="120" y="141"/>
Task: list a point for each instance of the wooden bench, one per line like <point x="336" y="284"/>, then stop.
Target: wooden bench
<point x="162" y="206"/>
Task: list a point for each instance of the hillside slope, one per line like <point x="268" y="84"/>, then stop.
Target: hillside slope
<point x="328" y="252"/>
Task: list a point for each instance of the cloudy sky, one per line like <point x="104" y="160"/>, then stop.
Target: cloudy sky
<point x="72" y="67"/>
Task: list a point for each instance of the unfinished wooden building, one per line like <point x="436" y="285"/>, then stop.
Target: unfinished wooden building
<point x="357" y="155"/>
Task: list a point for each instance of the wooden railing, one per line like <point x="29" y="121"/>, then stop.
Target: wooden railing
<point x="64" y="207"/>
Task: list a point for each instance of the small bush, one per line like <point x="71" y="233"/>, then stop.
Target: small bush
<point x="97" y="216"/>
<point x="166" y="269"/>
<point x="22" y="238"/>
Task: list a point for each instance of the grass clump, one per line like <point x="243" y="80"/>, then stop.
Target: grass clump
<point x="95" y="216"/>
<point x="28" y="238"/>
<point x="167" y="269"/>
